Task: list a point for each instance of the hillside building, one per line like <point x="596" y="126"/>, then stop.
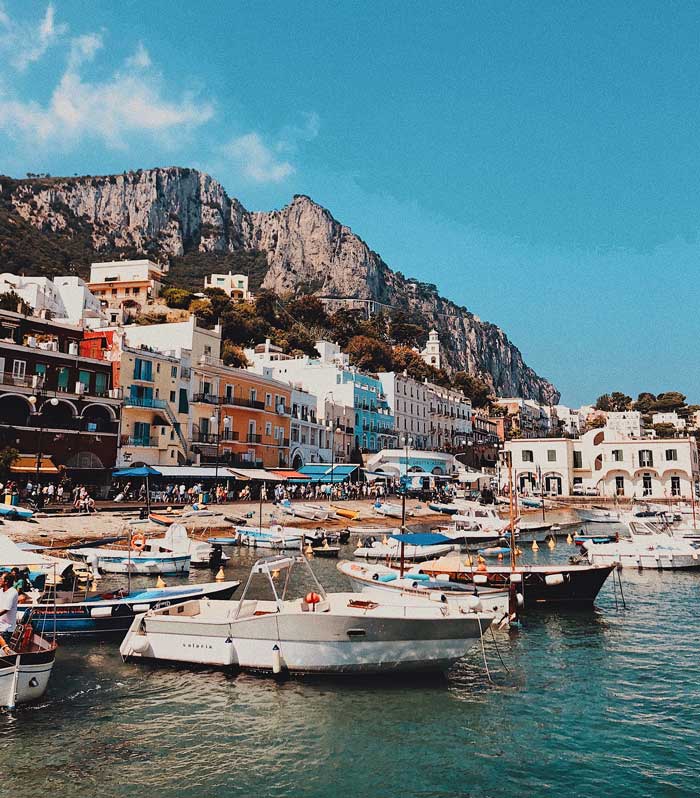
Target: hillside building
<point x="234" y="285"/>
<point x="126" y="285"/>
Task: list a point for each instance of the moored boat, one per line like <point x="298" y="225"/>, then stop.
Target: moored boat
<point x="417" y="546"/>
<point x="132" y="559"/>
<point x="322" y="633"/>
<point x="598" y="515"/>
<point x="389" y="509"/>
<point x="26" y="663"/>
<point x="274" y="537"/>
<point x="13" y="512"/>
<point x="307" y="511"/>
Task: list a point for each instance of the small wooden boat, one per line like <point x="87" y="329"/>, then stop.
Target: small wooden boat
<point x="322" y="633"/>
<point x="132" y="560"/>
<point x="390" y="510"/>
<point x="274" y="537"/>
<point x="166" y="517"/>
<point x="598" y="515"/>
<point x="310" y="512"/>
<point x="325" y="550"/>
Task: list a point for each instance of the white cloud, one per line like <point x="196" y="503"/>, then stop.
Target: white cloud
<point x="24" y="43"/>
<point x="256" y="160"/>
<point x="129" y="103"/>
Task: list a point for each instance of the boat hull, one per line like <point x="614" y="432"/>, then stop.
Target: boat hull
<point x="308" y="642"/>
<point x="652" y="561"/>
<point x="34" y="672"/>
<point x="90" y="619"/>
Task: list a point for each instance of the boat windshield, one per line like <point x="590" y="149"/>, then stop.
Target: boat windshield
<point x="272" y="568"/>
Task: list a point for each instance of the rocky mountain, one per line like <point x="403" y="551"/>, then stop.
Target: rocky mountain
<point x="57" y="225"/>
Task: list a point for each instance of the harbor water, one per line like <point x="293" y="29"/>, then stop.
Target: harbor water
<point x="602" y="702"/>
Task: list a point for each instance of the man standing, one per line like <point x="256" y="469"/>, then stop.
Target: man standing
<point x="8" y="606"/>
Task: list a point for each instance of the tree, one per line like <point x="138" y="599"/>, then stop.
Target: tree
<point x="473" y="387"/>
<point x="665" y="430"/>
<point x="266" y="303"/>
<point x="604" y="402"/>
<point x="8" y="455"/>
<point x="308" y="310"/>
<point x="620" y="402"/>
<point x="233" y="355"/>
<point x="219" y="300"/>
<point x="668" y="402"/>
<point x="11" y="300"/>
<point x="344" y="324"/>
<point x="369" y="354"/>
<point x="241" y="325"/>
<point x="177" y="298"/>
<point x="404" y="330"/>
<point x="596" y="422"/>
<point x="645" y="402"/>
<point x="202" y="309"/>
<point x="297" y="341"/>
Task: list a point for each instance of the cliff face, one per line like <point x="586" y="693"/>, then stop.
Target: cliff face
<point x="170" y="212"/>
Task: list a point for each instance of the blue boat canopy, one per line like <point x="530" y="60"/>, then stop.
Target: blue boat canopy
<point x="421" y="538"/>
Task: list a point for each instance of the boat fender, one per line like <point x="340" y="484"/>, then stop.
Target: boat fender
<point x="520" y="599"/>
<point x="551" y="580"/>
<point x="420" y="577"/>
<point x="375" y="577"/>
<point x="276" y="660"/>
<point x="441" y="597"/>
<point x="516" y="578"/>
<point x="481" y="579"/>
<point x="139" y="644"/>
<point x="474" y="604"/>
<point x="384" y="577"/>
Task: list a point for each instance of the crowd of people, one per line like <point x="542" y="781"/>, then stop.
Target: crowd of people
<point x="41" y="496"/>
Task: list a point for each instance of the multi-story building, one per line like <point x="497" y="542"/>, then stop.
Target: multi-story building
<point x="339" y="420"/>
<point x="61" y="299"/>
<point x="58" y="402"/>
<point x="571" y="420"/>
<point x="310" y="439"/>
<point x="235" y="285"/>
<point x="236" y="416"/>
<point x="410" y="405"/>
<point x="482" y="449"/>
<point x="329" y="376"/>
<point x="526" y="418"/>
<point x="450" y="419"/>
<point x="627" y="423"/>
<point x="126" y="284"/>
<point x="155" y="391"/>
<point x="612" y="464"/>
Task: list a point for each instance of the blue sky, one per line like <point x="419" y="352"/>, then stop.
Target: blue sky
<point x="538" y="162"/>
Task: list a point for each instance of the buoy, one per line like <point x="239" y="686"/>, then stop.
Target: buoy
<point x="160" y="582"/>
<point x="276" y="660"/>
<point x="220" y="575"/>
<point x="309" y="550"/>
<point x="275" y="574"/>
<point x="518" y="551"/>
<point x="384" y="540"/>
<point x="535" y="547"/>
<point x="551" y="543"/>
<point x="325" y="543"/>
<point x="569" y="539"/>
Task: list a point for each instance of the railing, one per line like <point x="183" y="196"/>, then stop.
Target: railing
<point x="139" y="440"/>
<point x="205" y="437"/>
<point x="207" y="398"/>
<point x="239" y="401"/>
<point x="253" y="438"/>
<point x="145" y="401"/>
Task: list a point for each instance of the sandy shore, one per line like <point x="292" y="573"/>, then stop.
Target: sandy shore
<point x="67" y="528"/>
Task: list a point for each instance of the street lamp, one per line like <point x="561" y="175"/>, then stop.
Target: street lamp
<point x="33" y="401"/>
<point x="334" y="431"/>
<point x="215" y="421"/>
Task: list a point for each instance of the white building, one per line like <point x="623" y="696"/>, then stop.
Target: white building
<point x="397" y="462"/>
<point x="627" y="423"/>
<point x="235" y="285"/>
<point x="410" y="403"/>
<point x="614" y="465"/>
<point x="431" y="353"/>
<point x="669" y="418"/>
<point x="309" y="439"/>
<point x="126" y="284"/>
<point x="572" y="420"/>
<point x="450" y="414"/>
<point x="62" y="299"/>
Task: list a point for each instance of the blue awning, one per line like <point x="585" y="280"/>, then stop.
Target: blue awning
<point x="421" y="538"/>
<point x="137" y="471"/>
<point x="323" y="472"/>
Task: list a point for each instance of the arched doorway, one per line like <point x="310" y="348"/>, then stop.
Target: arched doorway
<point x="15" y="410"/>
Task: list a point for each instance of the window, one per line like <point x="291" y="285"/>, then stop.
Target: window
<point x="84" y="379"/>
<point x="63" y="378"/>
<point x="19" y="369"/>
<point x="142" y="434"/>
<point x="172" y="396"/>
<point x="100" y="384"/>
<point x="675" y="486"/>
<point x="672" y="454"/>
<point x="527" y="456"/>
<point x="617" y="455"/>
<point x="183" y="406"/>
<point x="620" y="486"/>
<point x="143" y="369"/>
<point x="268" y="428"/>
<point x="646" y="458"/>
<point x="173" y="372"/>
<point x="578" y="459"/>
<point x="646" y="485"/>
<point x="268" y="399"/>
<point x="253" y="395"/>
<point x="157" y="368"/>
<point x="551" y="455"/>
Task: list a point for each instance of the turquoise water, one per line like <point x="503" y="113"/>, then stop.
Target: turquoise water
<point x="594" y="703"/>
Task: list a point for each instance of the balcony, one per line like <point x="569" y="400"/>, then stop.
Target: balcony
<point x="139" y="440"/>
<point x="207" y="398"/>
<point x="239" y="401"/>
<point x="145" y="401"/>
<point x="252" y="437"/>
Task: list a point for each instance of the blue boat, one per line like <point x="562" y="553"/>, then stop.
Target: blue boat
<point x="14" y="512"/>
<point x="102" y="614"/>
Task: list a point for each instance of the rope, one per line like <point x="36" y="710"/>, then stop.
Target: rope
<point x="493" y="637"/>
<point x="483" y="650"/>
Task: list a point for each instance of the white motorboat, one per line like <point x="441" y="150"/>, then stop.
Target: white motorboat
<point x="417" y="547"/>
<point x="598" y="515"/>
<point x="647" y="547"/>
<point x="485" y="518"/>
<point x="177" y="541"/>
<point x="132" y="559"/>
<point x="386" y="585"/>
<point x="336" y="633"/>
<point x="51" y="569"/>
<point x="273" y="537"/>
<point x="26" y="662"/>
<point x="311" y="512"/>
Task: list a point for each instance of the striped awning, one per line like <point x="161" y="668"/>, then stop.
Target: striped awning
<point x="27" y="463"/>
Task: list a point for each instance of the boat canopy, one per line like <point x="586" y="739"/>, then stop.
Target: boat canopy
<point x="422" y="538"/>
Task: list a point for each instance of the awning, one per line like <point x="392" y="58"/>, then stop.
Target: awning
<point x="254" y="473"/>
<point x="472" y="476"/>
<point x="288" y="473"/>
<point x="185" y="472"/>
<point x="137" y="471"/>
<point x="323" y="472"/>
<point x="26" y="464"/>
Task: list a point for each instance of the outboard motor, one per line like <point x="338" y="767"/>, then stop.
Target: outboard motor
<point x="216" y="557"/>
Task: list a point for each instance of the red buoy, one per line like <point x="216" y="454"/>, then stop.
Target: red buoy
<point x="312" y="598"/>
